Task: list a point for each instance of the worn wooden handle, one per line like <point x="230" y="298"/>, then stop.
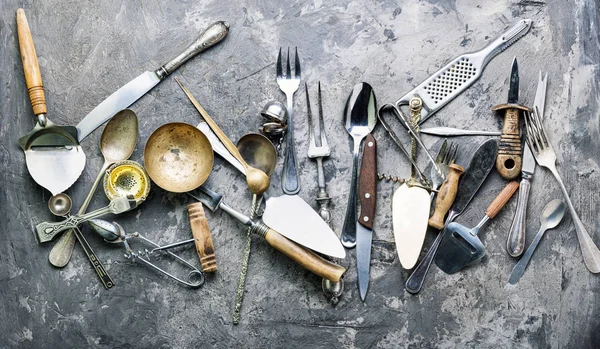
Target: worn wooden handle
<point x="501" y="199"/>
<point x="445" y="197"/>
<point x="510" y="151"/>
<point x="31" y="68"/>
<point x="202" y="237"/>
<point x="304" y="257"/>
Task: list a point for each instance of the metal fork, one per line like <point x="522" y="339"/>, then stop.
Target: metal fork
<point x="546" y="157"/>
<point x="319" y="152"/>
<point x="445" y="157"/>
<point x="289" y="85"/>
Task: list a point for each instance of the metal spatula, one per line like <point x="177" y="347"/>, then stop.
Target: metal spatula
<point x="460" y="245"/>
<point x="450" y="81"/>
<point x="53" y="155"/>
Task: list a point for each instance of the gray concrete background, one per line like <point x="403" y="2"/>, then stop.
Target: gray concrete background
<point x="87" y="50"/>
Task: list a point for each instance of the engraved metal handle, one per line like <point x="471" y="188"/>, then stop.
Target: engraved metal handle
<point x="516" y="235"/>
<point x="289" y="180"/>
<point x="211" y="36"/>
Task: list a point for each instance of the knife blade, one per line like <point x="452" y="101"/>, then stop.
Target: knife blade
<point x="515" y="244"/>
<point x="307" y="259"/>
<point x="136" y="88"/>
<point x="479" y="168"/>
<point x="367" y="191"/>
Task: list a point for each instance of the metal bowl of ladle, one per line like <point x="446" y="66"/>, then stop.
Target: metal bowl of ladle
<point x="178" y="157"/>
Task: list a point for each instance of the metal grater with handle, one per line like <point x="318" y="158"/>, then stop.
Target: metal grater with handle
<point x="448" y="82"/>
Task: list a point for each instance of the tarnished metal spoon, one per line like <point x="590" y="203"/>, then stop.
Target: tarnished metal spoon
<point x="551" y="217"/>
<point x="117" y="143"/>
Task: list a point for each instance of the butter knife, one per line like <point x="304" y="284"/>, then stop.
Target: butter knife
<point x="516" y="235"/>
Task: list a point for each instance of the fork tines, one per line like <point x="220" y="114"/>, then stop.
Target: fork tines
<point x="536" y="135"/>
<point x="288" y="73"/>
<point x="316" y="148"/>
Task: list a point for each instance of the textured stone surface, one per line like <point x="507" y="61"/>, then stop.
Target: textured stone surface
<point x="87" y="50"/>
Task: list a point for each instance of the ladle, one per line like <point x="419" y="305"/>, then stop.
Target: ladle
<point x="60" y="205"/>
<point x="257" y="180"/>
<point x="117" y="143"/>
<point x="260" y="153"/>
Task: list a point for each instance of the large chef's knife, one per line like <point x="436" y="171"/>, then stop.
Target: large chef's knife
<point x="136" y="88"/>
<point x="290" y="215"/>
<point x="314" y="263"/>
<point x="516" y="235"/>
<point x="479" y="167"/>
<point x="367" y="191"/>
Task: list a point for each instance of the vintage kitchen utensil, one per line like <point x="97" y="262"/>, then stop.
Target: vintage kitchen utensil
<point x="515" y="243"/>
<point x="126" y="178"/>
<point x="54" y="158"/>
<point x="367" y="195"/>
<point x="319" y="149"/>
<point x="447" y="192"/>
<point x="136" y="88"/>
<point x="300" y="255"/>
<point x="275" y="114"/>
<point x="551" y="217"/>
<point x="178" y="157"/>
<point x="477" y="171"/>
<point x="289" y="84"/>
<point x="461" y="247"/>
<point x="509" y="160"/>
<point x="360" y="119"/>
<point x="60" y="205"/>
<point x="117" y="143"/>
<point x="410" y="207"/>
<point x="451" y="80"/>
<point x="202" y="239"/>
<point x="545" y="156"/>
<point x="114" y="233"/>
<point x="46" y="231"/>
<point x="288" y="214"/>
<point x="260" y="153"/>
<point x="452" y="132"/>
<point x="256" y="179"/>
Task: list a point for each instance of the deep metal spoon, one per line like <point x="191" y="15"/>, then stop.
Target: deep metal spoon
<point x="60" y="205"/>
<point x="361" y="117"/>
<point x="258" y="151"/>
<point x="117" y="143"/>
<point x="551" y="216"/>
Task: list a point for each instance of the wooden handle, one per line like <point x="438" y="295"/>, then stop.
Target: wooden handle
<point x="31" y="68"/>
<point x="202" y="238"/>
<point x="367" y="183"/>
<point x="304" y="257"/>
<point x="508" y="161"/>
<point x="501" y="199"/>
<point x="445" y="197"/>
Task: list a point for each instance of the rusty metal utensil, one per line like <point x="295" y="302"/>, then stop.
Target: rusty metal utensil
<point x="178" y="157"/>
<point x="258" y="181"/>
<point x="117" y="143"/>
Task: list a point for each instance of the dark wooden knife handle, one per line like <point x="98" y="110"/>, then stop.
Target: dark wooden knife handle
<point x="307" y="259"/>
<point x="445" y="197"/>
<point x="202" y="237"/>
<point x="367" y="184"/>
<point x="501" y="199"/>
<point x="31" y="68"/>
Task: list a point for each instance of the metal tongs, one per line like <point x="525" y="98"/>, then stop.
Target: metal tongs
<point x="113" y="233"/>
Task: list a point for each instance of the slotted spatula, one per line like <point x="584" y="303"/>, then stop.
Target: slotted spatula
<point x="53" y="155"/>
<point x="460" y="245"/>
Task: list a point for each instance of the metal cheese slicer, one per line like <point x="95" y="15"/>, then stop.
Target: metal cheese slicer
<point x="114" y="233"/>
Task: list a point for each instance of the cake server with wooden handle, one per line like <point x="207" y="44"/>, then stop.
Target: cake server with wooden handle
<point x="367" y="191"/>
<point x="136" y="88"/>
<point x="307" y="259"/>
